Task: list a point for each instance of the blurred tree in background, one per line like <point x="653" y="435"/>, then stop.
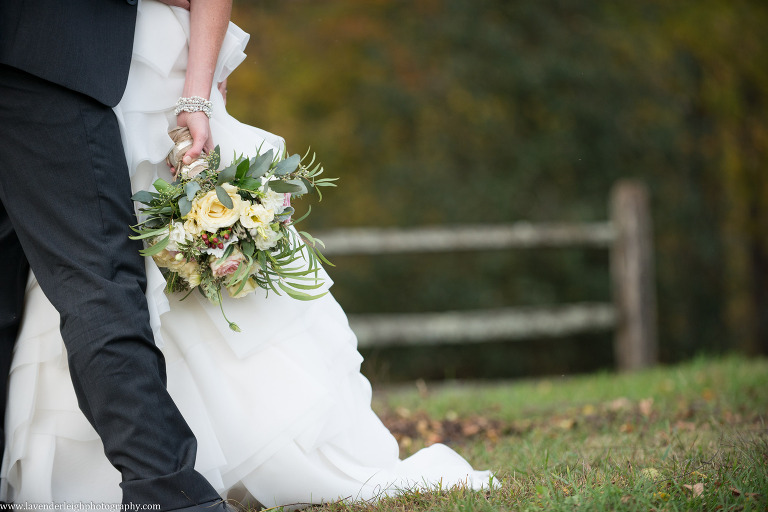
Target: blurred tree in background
<point x="451" y="111"/>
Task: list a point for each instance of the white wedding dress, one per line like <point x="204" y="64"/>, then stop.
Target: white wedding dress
<point x="280" y="411"/>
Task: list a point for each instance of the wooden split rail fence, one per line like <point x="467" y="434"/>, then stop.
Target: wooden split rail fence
<point x="631" y="314"/>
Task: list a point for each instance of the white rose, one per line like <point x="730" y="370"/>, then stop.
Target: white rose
<point x="273" y="201"/>
<point x="256" y="215"/>
<point x="265" y="238"/>
<point x="178" y="235"/>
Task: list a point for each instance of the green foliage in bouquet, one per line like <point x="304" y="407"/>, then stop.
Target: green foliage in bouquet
<point x="233" y="228"/>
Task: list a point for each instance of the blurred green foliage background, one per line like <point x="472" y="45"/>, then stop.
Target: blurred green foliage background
<point x="490" y="111"/>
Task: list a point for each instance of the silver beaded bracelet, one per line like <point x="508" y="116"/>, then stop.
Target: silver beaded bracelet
<point x="194" y="104"/>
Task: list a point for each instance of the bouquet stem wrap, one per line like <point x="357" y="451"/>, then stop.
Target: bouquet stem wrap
<point x="182" y="140"/>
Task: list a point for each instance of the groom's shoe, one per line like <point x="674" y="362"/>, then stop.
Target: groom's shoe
<point x="213" y="506"/>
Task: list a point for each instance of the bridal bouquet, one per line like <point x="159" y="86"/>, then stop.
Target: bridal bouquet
<point x="211" y="229"/>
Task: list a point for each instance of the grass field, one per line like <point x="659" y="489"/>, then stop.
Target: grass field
<point x="687" y="437"/>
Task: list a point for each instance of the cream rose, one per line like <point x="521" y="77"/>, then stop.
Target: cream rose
<point x="250" y="287"/>
<point x="191" y="226"/>
<point x="211" y="215"/>
<point x="167" y="259"/>
<point x="190" y="272"/>
<point x="194" y="279"/>
<point x="256" y="215"/>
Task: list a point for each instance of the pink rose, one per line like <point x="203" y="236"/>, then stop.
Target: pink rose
<point x="227" y="266"/>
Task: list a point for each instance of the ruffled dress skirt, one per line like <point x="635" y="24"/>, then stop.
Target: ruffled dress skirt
<point x="281" y="412"/>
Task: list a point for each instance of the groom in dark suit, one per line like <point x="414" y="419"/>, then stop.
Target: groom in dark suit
<point x="65" y="210"/>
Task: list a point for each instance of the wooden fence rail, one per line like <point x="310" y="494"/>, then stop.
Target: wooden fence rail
<point x="632" y="313"/>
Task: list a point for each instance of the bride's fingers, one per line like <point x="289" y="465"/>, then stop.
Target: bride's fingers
<point x="199" y="129"/>
<point x="198" y="143"/>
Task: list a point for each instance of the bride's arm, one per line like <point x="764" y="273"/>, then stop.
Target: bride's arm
<point x="208" y="25"/>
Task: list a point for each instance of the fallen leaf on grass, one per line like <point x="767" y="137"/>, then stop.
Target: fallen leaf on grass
<point x="685" y="425"/>
<point x="696" y="489"/>
<point x="754" y="495"/>
<point x="619" y="404"/>
<point x="417" y="425"/>
<point x="627" y="428"/>
<point x="470" y="429"/>
<point x="646" y="407"/>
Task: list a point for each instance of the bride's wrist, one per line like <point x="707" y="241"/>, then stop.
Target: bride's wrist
<point x="194" y="104"/>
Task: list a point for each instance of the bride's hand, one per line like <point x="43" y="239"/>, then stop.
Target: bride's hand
<point x="200" y="129"/>
<point x="184" y="4"/>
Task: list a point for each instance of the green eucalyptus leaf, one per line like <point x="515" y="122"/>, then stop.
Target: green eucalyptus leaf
<point x="284" y="186"/>
<point x="185" y="206"/>
<point x="153" y="223"/>
<point x="260" y="164"/>
<point x="287" y="166"/>
<point x="144" y="196"/>
<point x="191" y="188"/>
<point x="298" y="182"/>
<point x="307" y="184"/>
<point x="227" y="174"/>
<point x="286" y="214"/>
<point x="224" y="197"/>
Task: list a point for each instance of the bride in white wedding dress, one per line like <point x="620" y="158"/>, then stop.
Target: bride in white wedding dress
<point x="280" y="411"/>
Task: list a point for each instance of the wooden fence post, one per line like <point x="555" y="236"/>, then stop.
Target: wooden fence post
<point x="632" y="273"/>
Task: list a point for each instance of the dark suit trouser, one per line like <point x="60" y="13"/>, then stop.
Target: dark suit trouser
<point x="65" y="201"/>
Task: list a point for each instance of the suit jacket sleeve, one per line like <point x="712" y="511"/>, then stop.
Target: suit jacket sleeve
<point x="84" y="45"/>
